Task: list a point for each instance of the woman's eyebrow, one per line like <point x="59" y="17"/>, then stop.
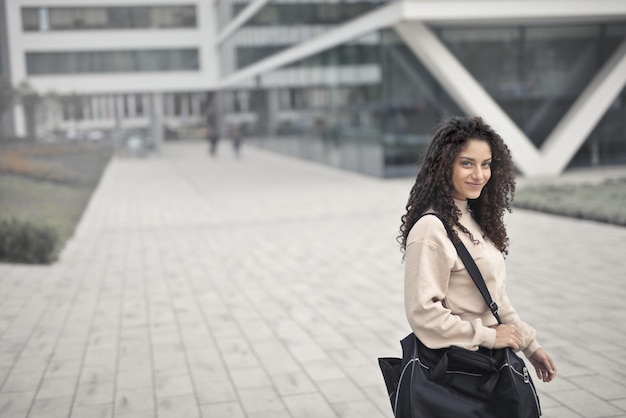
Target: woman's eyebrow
<point x="471" y="159"/>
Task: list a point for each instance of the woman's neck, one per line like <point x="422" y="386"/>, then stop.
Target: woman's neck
<point x="462" y="205"/>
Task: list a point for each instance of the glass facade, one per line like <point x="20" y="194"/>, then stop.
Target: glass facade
<point x="350" y="54"/>
<point x="411" y="103"/>
<point x="607" y="143"/>
<point x="368" y="106"/>
<point x="279" y="25"/>
<point x="108" y="18"/>
<point x="371" y="106"/>
<point x="322" y="13"/>
<point x="541" y="72"/>
<point x="126" y="61"/>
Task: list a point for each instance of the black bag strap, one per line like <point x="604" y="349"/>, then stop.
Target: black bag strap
<point x="471" y="267"/>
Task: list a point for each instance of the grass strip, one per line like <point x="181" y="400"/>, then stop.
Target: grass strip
<point x="31" y="194"/>
<point x="605" y="202"/>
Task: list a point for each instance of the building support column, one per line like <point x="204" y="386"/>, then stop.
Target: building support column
<point x="156" y="120"/>
<point x="118" y="112"/>
<point x="19" y="120"/>
<point x="96" y="112"/>
<point x="132" y="106"/>
<point x="564" y="140"/>
<point x="111" y="107"/>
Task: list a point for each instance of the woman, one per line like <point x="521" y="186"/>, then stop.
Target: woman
<point x="467" y="178"/>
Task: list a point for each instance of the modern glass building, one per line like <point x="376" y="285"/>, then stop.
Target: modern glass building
<point x="361" y="84"/>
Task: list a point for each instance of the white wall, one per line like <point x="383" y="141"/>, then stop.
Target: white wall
<point x="202" y="37"/>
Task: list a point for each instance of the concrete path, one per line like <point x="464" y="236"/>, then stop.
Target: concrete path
<point x="266" y="287"/>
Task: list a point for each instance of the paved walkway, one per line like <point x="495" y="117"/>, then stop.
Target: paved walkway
<point x="267" y="287"/>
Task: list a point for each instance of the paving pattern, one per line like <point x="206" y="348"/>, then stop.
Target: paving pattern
<point x="266" y="287"/>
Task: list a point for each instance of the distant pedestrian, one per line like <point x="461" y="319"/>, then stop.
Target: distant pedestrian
<point x="213" y="139"/>
<point x="237" y="138"/>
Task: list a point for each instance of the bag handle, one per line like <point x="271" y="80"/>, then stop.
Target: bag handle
<point x="471" y="267"/>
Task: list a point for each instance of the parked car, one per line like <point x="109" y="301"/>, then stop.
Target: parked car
<point x="95" y="135"/>
<point x="74" y="135"/>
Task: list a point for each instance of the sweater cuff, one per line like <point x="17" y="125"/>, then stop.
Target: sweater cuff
<point x="530" y="350"/>
<point x="489" y="337"/>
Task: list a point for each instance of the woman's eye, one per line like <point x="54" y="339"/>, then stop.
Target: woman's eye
<point x="466" y="164"/>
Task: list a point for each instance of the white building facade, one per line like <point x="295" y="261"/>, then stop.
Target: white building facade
<point x="360" y="84"/>
<point x="357" y="84"/>
<point x="119" y="62"/>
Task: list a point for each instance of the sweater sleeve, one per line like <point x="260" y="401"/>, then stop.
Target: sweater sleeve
<point x="508" y="315"/>
<point x="430" y="257"/>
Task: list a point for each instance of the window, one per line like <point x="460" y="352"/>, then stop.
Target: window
<point x="108" y="18"/>
<point x="129" y="61"/>
<point x="30" y="19"/>
<point x="285" y="14"/>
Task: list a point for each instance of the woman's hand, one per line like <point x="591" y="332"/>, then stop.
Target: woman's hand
<point x="507" y="336"/>
<point x="545" y="367"/>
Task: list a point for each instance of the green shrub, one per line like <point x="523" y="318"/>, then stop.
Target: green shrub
<point x="23" y="242"/>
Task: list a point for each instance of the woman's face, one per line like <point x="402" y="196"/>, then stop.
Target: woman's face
<point x="471" y="169"/>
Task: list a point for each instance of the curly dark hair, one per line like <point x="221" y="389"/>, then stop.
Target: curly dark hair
<point x="433" y="185"/>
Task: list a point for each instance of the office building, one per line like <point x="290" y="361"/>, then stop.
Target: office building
<point x="360" y="84"/>
<point x="114" y="63"/>
<point x="356" y="84"/>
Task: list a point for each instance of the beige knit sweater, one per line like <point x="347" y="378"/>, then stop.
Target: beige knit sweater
<point x="443" y="305"/>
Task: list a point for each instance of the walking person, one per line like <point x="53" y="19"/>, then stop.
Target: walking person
<point x="237" y="138"/>
<point x="467" y="179"/>
<point x="213" y="139"/>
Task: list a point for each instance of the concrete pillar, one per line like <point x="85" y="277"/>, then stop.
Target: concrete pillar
<point x="156" y="119"/>
<point x="112" y="107"/>
<point x="272" y="113"/>
<point x="130" y="101"/>
<point x="184" y="106"/>
<point x="96" y="112"/>
<point x="19" y="120"/>
<point x="87" y="108"/>
<point x="118" y="114"/>
<point x="145" y="104"/>
<point x="195" y="105"/>
<point x="168" y="99"/>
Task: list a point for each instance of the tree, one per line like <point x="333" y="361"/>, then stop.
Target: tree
<point x="31" y="101"/>
<point x="8" y="96"/>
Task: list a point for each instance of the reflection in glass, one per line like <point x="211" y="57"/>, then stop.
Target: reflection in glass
<point x="370" y="105"/>
<point x="535" y="73"/>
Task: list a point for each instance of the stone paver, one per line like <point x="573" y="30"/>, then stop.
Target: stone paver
<point x="267" y="287"/>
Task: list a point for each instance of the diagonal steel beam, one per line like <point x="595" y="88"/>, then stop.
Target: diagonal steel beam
<point x="409" y="18"/>
<point x="377" y="19"/>
<point x="468" y="93"/>
<point x="246" y="14"/>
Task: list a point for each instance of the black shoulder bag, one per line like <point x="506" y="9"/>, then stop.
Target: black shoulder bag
<point x="455" y="382"/>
